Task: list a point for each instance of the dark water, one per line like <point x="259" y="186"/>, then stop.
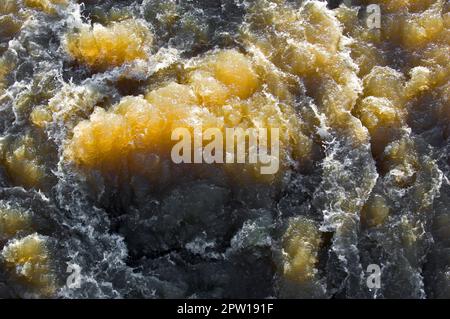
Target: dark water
<point x="206" y="237"/>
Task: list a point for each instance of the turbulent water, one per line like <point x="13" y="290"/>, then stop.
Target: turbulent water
<point x="92" y="206"/>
